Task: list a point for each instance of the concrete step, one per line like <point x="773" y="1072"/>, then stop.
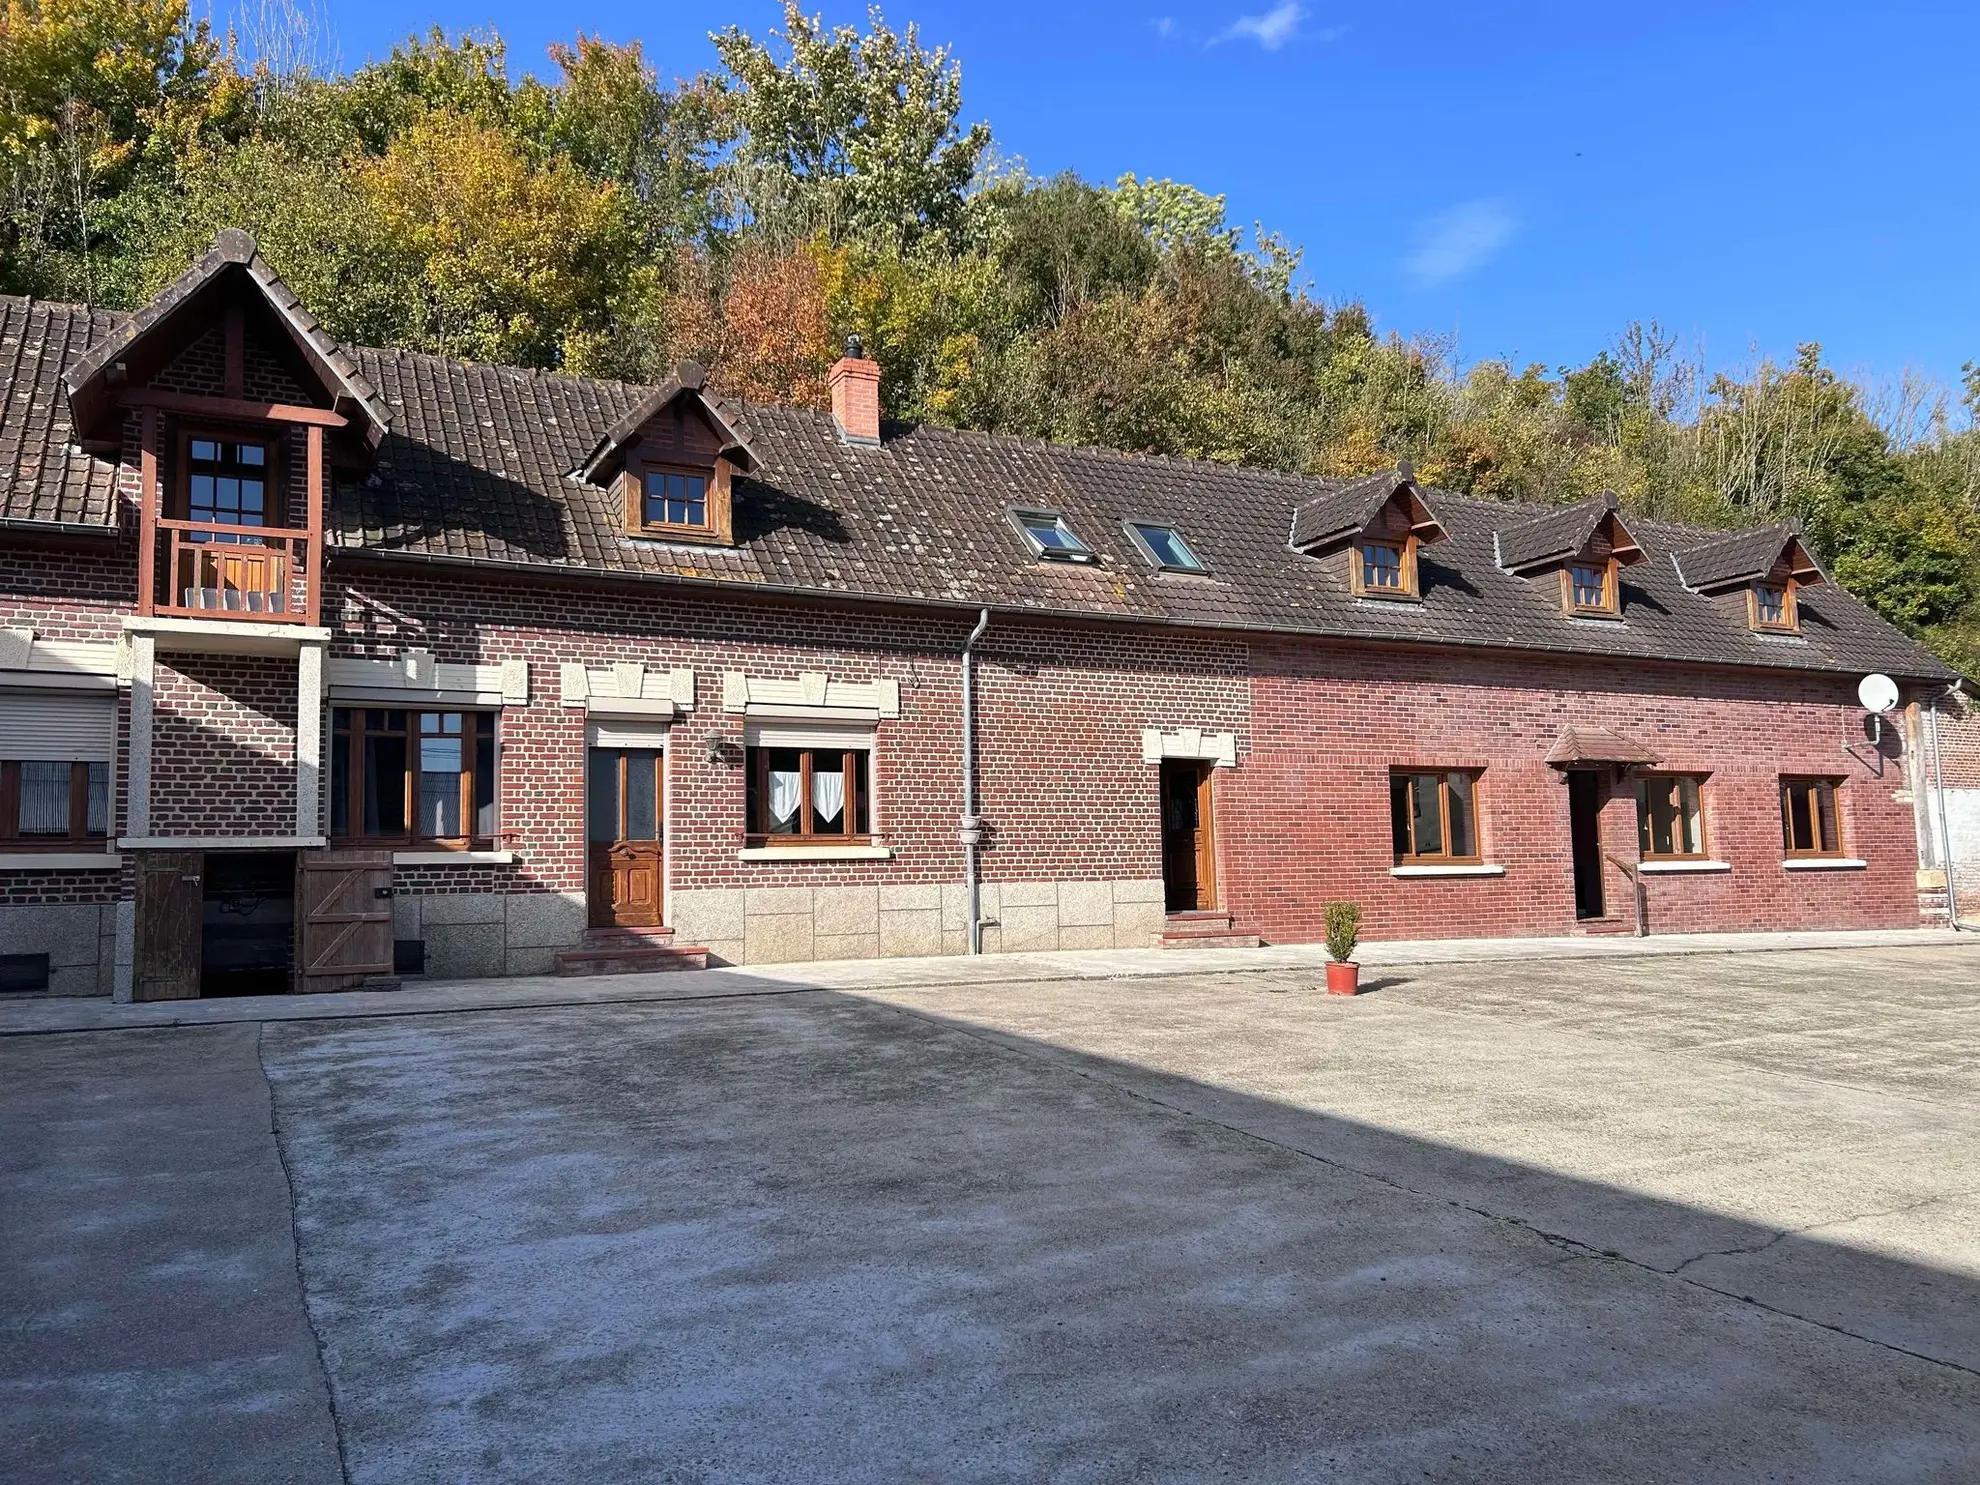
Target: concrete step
<point x="607" y="959"/>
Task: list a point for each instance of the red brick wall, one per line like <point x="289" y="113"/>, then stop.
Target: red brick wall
<point x="1329" y="723"/>
<point x="223" y="752"/>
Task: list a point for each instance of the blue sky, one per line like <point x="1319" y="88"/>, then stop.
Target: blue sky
<point x="1527" y="178"/>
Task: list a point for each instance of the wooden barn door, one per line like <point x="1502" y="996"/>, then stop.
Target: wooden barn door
<point x="344" y="901"/>
<point x="170" y="902"/>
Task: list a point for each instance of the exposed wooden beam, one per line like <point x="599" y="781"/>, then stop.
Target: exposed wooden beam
<point x="148" y="514"/>
<point x="235" y="372"/>
<point x="313" y="601"/>
<point x="235" y="408"/>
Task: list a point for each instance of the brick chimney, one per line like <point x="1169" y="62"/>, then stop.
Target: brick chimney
<point x="855" y="384"/>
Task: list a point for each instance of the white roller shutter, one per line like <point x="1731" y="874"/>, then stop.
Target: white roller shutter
<point x="57" y="727"/>
<point x="800" y="734"/>
<point x="626" y="732"/>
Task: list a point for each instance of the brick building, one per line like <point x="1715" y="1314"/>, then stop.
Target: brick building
<point x="315" y="659"/>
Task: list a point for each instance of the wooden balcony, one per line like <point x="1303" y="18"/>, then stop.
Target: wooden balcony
<point x="207" y="570"/>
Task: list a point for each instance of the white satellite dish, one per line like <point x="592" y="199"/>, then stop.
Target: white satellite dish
<point x="1878" y="693"/>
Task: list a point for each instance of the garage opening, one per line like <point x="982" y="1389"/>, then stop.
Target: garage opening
<point x="248" y="923"/>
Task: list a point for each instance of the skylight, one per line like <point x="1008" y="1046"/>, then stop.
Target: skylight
<point x="1164" y="546"/>
<point x="1049" y="536"/>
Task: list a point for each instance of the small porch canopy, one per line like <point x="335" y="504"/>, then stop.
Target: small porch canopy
<point x="1579" y="746"/>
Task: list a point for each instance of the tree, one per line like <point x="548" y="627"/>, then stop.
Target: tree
<point x="854" y="134"/>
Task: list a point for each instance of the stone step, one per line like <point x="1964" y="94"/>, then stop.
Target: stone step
<point x="1204" y="929"/>
<point x="608" y="960"/>
<point x="627" y="938"/>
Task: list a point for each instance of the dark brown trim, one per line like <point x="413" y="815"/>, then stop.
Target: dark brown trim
<point x="234" y="409"/>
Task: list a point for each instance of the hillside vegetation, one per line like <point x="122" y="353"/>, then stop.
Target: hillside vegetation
<point x="605" y="221"/>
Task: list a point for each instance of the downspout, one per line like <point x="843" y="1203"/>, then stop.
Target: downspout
<point x="971" y="834"/>
<point x="1945" y="829"/>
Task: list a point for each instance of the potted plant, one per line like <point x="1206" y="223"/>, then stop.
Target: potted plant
<point x="1343" y="932"/>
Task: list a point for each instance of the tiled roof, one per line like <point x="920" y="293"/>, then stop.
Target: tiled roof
<point x="1556" y="535"/>
<point x="478" y="461"/>
<point x="1336" y="514"/>
<point x="1723" y="561"/>
<point x="1597" y="745"/>
<point x="43" y="475"/>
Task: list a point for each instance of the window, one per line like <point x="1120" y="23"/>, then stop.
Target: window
<point x="1668" y="819"/>
<point x="1810" y="823"/>
<point x="1589" y="587"/>
<point x="623" y="802"/>
<point x="798" y="796"/>
<point x="46" y="803"/>
<point x="1164" y="547"/>
<point x="226" y="484"/>
<point x="673" y="497"/>
<point x="412" y="776"/>
<point x="1434" y="817"/>
<point x="1048" y="536"/>
<point x="1772" y="606"/>
<point x="1385" y="569"/>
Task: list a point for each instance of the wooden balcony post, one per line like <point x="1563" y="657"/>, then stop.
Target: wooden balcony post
<point x="313" y="550"/>
<point x="148" y="514"/>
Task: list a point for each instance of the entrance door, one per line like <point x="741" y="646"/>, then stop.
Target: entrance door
<point x="346" y="910"/>
<point x="170" y="900"/>
<point x="1189" y="855"/>
<point x="623" y="812"/>
<point x="1585" y="835"/>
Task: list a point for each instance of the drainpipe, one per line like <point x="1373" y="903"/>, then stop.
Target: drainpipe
<point x="1945" y="829"/>
<point x="971" y="834"/>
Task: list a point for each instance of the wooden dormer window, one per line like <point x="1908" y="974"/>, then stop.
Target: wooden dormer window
<point x="1770" y="608"/>
<point x="1588" y="588"/>
<point x="680" y="502"/>
<point x="1385" y="568"/>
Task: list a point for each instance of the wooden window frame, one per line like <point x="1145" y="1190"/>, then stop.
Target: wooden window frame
<point x="276" y="510"/>
<point x="1412" y="857"/>
<point x="859" y="787"/>
<point x="1609" y="607"/>
<point x="1790" y="621"/>
<point x="353" y="780"/>
<point x="79" y="833"/>
<point x="1816" y="783"/>
<point x="1644" y="834"/>
<point x="1404" y="547"/>
<point x="716" y="495"/>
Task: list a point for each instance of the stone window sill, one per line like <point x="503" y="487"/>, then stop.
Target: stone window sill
<point x="59" y="861"/>
<point x="875" y="852"/>
<point x="1824" y="863"/>
<point x="453" y="858"/>
<point x="1679" y="868"/>
<point x="1486" y="869"/>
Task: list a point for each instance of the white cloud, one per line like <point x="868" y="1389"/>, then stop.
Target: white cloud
<point x="1271" y="30"/>
<point x="1163" y="24"/>
<point x="1453" y="243"/>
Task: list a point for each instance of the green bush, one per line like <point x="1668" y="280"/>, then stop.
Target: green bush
<point x="1343" y="930"/>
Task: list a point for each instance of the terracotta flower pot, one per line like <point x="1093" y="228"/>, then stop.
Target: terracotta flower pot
<point x="1344" y="979"/>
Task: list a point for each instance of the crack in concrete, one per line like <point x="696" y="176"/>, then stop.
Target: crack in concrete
<point x="1574" y="1248"/>
<point x="296" y="1247"/>
<point x="1806" y="1228"/>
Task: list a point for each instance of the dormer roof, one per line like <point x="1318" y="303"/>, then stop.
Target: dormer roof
<point x="1339" y="516"/>
<point x="689" y="381"/>
<point x="1748" y="557"/>
<point x="90" y="380"/>
<point x="1564" y="534"/>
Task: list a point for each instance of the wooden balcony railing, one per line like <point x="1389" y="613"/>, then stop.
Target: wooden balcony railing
<point x="213" y="571"/>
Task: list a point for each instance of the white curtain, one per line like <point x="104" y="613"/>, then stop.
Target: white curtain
<point x="784" y="797"/>
<point x="828" y="794"/>
<point x="44" y="799"/>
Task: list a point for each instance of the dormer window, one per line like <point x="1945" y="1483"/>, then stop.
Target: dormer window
<point x="1770" y="607"/>
<point x="1164" y="547"/>
<point x="226" y="481"/>
<point x="1049" y="537"/>
<point x="1385" y="569"/>
<point x="1588" y="589"/>
<point x="673" y="497"/>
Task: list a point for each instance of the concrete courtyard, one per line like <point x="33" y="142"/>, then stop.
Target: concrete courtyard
<point x="1684" y="1219"/>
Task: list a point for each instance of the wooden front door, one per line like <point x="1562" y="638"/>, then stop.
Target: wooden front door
<point x="1189" y="851"/>
<point x="170" y="901"/>
<point x="624" y="828"/>
<point x="344" y="899"/>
